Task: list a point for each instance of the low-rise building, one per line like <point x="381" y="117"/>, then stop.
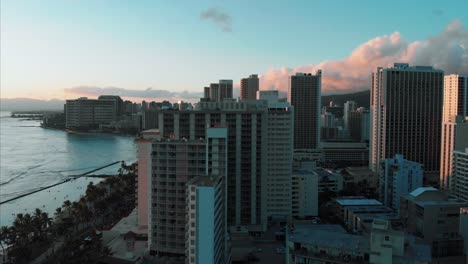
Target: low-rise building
<point x="361" y="180"/>
<point x="340" y="204"/>
<point x="430" y="215"/>
<point x="345" y="153"/>
<point x="324" y="244"/>
<point x="389" y="246"/>
<point x="460" y="174"/>
<point x="329" y="180"/>
<point x="356" y="217"/>
<point x="305" y="185"/>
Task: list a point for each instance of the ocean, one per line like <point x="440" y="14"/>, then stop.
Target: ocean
<point x="32" y="157"/>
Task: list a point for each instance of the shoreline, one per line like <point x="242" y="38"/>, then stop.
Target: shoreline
<point x="85" y="132"/>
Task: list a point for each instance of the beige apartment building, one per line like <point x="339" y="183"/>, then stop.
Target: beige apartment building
<point x="454" y="113"/>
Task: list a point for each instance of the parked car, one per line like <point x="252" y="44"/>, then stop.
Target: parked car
<point x="280" y="250"/>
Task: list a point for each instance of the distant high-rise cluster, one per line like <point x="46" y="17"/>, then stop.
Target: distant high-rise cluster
<point x="212" y="174"/>
<point x="249" y="87"/>
<point x="217" y="92"/>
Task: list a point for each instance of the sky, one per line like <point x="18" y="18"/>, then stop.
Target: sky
<point x="173" y="48"/>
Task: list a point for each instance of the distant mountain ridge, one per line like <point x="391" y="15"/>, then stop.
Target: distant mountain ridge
<point x="28" y="104"/>
<point x="361" y="98"/>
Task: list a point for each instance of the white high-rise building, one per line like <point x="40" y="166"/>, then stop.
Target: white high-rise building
<point x="174" y="163"/>
<point x="398" y="177"/>
<point x="279" y="158"/>
<point x="253" y="128"/>
<point x="406" y="116"/>
<point x="349" y="106"/>
<point x="454" y="111"/>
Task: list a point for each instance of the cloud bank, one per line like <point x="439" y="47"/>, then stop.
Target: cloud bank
<point x="447" y="51"/>
<point x="218" y="17"/>
<point x="134" y="95"/>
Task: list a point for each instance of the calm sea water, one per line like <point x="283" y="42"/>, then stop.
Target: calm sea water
<point x="32" y="157"/>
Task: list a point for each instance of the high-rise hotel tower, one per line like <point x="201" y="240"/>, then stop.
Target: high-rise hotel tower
<point x="455" y="104"/>
<point x="304" y="95"/>
<point x="406" y="108"/>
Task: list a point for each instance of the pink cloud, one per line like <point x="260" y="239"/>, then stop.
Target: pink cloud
<point x="447" y="51"/>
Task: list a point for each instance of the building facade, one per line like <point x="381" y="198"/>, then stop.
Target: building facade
<point x="349" y="107"/>
<point x="174" y="163"/>
<point x="406" y="109"/>
<point x="84" y="113"/>
<point x="460" y="174"/>
<point x="279" y="154"/>
<point x="398" y="177"/>
<point x="249" y="87"/>
<point x="345" y="153"/>
<point x="253" y="127"/>
<point x="206" y="215"/>
<point x="359" y="124"/>
<point x="304" y="192"/>
<point x="217" y="92"/>
<point x="304" y="95"/>
<point x="430" y="215"/>
<point x="454" y="111"/>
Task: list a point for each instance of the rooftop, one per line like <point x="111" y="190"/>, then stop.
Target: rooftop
<point x="203" y="181"/>
<point x="363" y="209"/>
<point x="360" y="201"/>
<point x="332" y="236"/>
<point x="421" y="190"/>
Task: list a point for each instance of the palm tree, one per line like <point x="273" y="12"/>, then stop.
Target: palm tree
<point x="37" y="223"/>
<point x="4" y="234"/>
<point x="66" y="204"/>
<point x="46" y="223"/>
<point x="58" y="212"/>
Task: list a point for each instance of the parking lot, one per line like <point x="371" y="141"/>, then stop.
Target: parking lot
<point x="268" y="245"/>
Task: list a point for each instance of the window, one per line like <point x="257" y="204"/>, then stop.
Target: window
<point x="387" y="238"/>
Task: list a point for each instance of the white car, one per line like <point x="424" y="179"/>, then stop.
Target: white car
<point x="280" y="250"/>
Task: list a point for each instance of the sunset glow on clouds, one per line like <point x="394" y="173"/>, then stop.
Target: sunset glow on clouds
<point x="447" y="51"/>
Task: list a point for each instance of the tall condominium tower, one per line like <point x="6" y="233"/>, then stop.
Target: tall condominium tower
<point x="279" y="155"/>
<point x="249" y="87"/>
<point x="349" y="106"/>
<point x="174" y="162"/>
<point x="455" y="107"/>
<point x="406" y="109"/>
<point x="304" y="95"/>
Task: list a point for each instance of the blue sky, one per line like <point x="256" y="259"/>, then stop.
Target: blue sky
<point x="48" y="46"/>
